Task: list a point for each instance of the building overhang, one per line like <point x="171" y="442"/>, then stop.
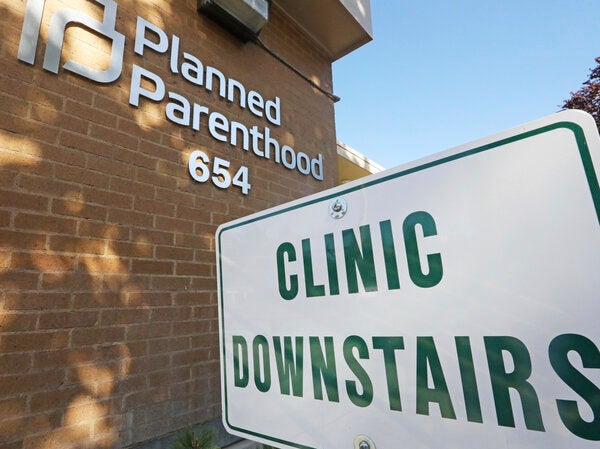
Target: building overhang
<point x="353" y="165"/>
<point x="337" y="26"/>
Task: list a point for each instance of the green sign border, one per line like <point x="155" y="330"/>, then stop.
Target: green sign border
<point x="588" y="167"/>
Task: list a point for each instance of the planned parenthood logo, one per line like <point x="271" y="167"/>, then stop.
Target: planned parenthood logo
<point x="58" y="23"/>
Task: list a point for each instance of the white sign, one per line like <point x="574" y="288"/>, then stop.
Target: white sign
<point x="449" y="303"/>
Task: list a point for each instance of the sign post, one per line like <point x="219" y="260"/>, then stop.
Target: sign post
<point x="451" y="302"/>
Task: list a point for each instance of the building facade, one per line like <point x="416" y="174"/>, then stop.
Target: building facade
<point x="129" y="131"/>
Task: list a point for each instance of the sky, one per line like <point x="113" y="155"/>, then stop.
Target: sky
<point x="441" y="73"/>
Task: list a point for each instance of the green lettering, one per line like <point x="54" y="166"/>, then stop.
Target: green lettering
<point x="568" y="409"/>
<point x="389" y="255"/>
<point x="285" y="292"/>
<point x="434" y="261"/>
<point x="289" y="369"/>
<point x="262" y="362"/>
<point x="309" y="281"/>
<point x="389" y="345"/>
<point x="350" y="344"/>
<point x="427" y="357"/>
<point x="334" y="287"/>
<point x="323" y="368"/>
<point x="240" y="351"/>
<point x="356" y="260"/>
<point x="517" y="379"/>
<point x="467" y="377"/>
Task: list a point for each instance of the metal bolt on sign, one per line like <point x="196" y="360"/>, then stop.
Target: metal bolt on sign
<point x="337" y="209"/>
<point x="363" y="442"/>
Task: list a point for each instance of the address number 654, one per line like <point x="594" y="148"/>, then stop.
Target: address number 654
<point x="199" y="167"/>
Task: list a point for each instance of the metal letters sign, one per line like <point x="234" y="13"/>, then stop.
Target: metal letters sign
<point x="452" y="302"/>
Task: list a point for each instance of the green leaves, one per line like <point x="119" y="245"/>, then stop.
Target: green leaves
<point x="188" y="439"/>
<point x="588" y="97"/>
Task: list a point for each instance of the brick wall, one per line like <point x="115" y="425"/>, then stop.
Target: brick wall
<point x="108" y="315"/>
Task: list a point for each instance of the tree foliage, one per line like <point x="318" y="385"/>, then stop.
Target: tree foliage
<point x="588" y="97"/>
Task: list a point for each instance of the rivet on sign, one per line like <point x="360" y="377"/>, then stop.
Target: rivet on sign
<point x="363" y="442"/>
<point x="337" y="209"/>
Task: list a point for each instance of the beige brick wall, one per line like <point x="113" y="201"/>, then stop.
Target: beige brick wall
<point x="108" y="318"/>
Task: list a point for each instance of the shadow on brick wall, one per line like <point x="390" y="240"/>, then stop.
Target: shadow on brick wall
<point x="108" y="304"/>
<point x="108" y="330"/>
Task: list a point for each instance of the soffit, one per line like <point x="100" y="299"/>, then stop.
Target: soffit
<point x="337" y="26"/>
